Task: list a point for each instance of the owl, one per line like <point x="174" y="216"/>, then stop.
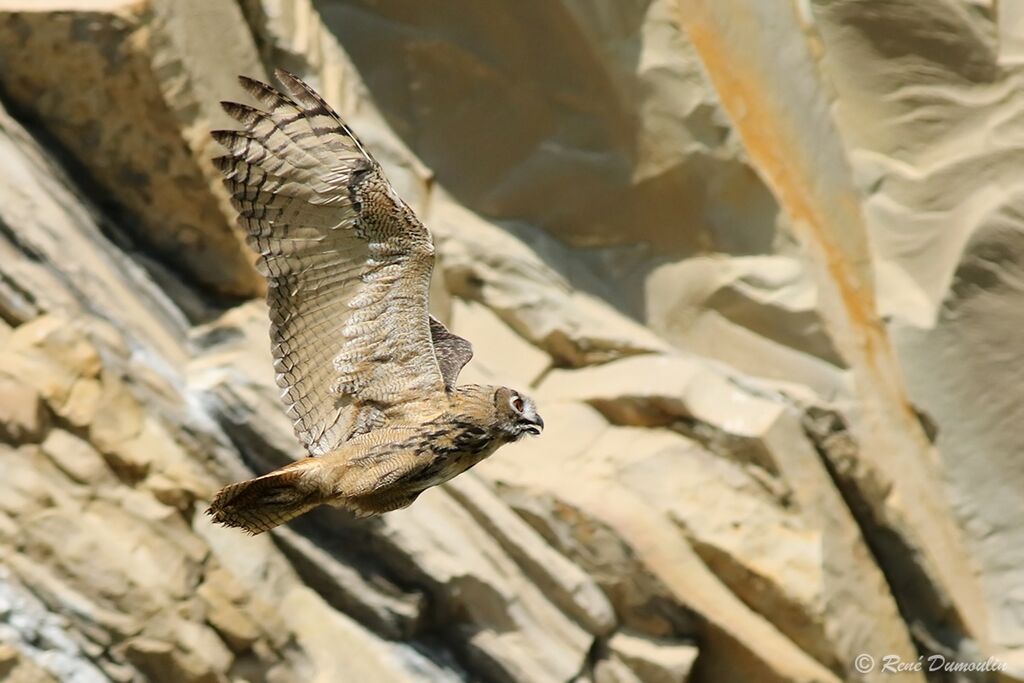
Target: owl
<point x="367" y="375"/>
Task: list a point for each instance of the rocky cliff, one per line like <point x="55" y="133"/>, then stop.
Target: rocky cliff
<point x="761" y="264"/>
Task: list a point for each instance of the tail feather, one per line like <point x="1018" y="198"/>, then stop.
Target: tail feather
<point x="260" y="504"/>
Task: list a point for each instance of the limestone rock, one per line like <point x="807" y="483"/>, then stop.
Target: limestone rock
<point x="237" y="628"/>
<point x="333" y="645"/>
<point x="654" y="661"/>
<point x="126" y="92"/>
<point x="758" y="314"/>
<point x="613" y="670"/>
<point x="37" y="643"/>
<point x="944" y="208"/>
<point x="484" y="263"/>
<point x="585" y="522"/>
<point x="17" y="668"/>
<point x="761" y="76"/>
<point x="567" y="585"/>
<point x="502" y="356"/>
<point x="506" y="624"/>
<point x="605" y="67"/>
<point x="384" y="608"/>
<point x="77" y="458"/>
<point x="771" y="296"/>
<point x="23" y="417"/>
<point x="674" y="391"/>
<point x="61" y="234"/>
<point x="767" y="556"/>
<point x="721" y="507"/>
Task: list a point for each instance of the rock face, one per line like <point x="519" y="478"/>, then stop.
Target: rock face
<point x="679" y="225"/>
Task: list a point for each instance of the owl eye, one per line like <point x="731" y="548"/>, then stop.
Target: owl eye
<point x="517" y="404"/>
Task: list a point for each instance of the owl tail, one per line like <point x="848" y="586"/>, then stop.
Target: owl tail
<point x="260" y="504"/>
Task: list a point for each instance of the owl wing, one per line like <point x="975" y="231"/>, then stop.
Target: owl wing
<point x="347" y="264"/>
<point x="451" y="350"/>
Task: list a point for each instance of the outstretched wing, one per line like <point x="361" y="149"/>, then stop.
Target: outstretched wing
<point x="347" y="262"/>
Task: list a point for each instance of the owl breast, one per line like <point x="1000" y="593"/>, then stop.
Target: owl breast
<point x="452" y="451"/>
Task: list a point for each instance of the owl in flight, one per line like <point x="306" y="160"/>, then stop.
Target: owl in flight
<point x="367" y="375"/>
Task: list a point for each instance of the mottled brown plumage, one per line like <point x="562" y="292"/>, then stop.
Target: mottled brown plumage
<point x="367" y="375"/>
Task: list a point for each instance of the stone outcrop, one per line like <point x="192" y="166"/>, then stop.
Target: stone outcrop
<point x="758" y="266"/>
<point x="126" y="90"/>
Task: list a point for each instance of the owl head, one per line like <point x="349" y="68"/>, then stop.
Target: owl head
<point x="517" y="414"/>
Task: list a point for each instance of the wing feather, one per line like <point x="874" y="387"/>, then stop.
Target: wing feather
<point x="451" y="350"/>
<point x="347" y="263"/>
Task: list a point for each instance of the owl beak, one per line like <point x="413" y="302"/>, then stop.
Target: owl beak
<point x="536" y="425"/>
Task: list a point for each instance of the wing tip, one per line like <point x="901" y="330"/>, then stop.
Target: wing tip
<point x="264" y="92"/>
<point x="242" y="113"/>
<point x="304" y="94"/>
<point x="248" y="82"/>
<point x="285" y="75"/>
<point x="312" y="103"/>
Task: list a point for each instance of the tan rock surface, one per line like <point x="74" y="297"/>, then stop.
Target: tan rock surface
<point x="653" y="660"/>
<point x="125" y="90"/>
<point x="781" y="105"/>
<point x="733" y="484"/>
<point x="17" y="668"/>
<point x="500" y="269"/>
<point x="944" y="210"/>
<point x="23" y="417"/>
